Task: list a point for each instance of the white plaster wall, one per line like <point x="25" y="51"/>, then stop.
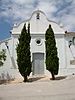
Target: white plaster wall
<point x="60" y="43"/>
<point x="14" y="46"/>
<point x="35" y="47"/>
<point x="42" y="24"/>
<point x="38" y="25"/>
<point x="7" y="67"/>
<point x="66" y="54"/>
<point x="70" y="52"/>
<point x="7" y="63"/>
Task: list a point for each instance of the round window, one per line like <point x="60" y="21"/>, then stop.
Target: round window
<point x="38" y="41"/>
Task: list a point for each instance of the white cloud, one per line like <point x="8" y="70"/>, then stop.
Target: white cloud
<point x="59" y="10"/>
<point x="47" y="7"/>
<point x="24" y="1"/>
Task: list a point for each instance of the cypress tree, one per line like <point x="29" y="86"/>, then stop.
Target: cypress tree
<point x="23" y="53"/>
<point x="52" y="60"/>
<point x="2" y="57"/>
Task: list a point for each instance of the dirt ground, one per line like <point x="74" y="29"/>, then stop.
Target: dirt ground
<point x="39" y="88"/>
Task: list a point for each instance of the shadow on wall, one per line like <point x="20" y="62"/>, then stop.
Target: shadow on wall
<point x="5" y="78"/>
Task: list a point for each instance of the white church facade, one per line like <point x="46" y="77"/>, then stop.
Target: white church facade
<point x="65" y="42"/>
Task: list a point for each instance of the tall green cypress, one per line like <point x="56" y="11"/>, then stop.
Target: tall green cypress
<point x="23" y="53"/>
<point x="2" y="57"/>
<point x="52" y="60"/>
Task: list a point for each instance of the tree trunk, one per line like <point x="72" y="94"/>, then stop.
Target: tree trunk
<point x="53" y="77"/>
<point x="25" y="79"/>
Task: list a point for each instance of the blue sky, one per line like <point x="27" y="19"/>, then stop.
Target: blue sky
<point x="15" y="11"/>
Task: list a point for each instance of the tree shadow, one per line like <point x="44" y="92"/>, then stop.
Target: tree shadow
<point x="35" y="78"/>
<point x="59" y="78"/>
<point x="40" y="78"/>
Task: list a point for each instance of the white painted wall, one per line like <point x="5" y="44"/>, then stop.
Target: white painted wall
<point x="38" y="26"/>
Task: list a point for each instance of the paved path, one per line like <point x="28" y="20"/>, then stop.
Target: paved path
<point x="40" y="90"/>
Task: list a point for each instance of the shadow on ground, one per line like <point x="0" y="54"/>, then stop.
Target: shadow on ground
<point x="45" y="78"/>
<point x="35" y="79"/>
<point x="60" y="77"/>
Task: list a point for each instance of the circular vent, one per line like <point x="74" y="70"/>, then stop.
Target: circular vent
<point x="38" y="41"/>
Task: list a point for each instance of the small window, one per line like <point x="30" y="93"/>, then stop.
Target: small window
<point x="38" y="42"/>
<point x="38" y="16"/>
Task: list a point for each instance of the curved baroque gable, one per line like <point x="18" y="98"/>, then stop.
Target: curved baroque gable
<point x="38" y="24"/>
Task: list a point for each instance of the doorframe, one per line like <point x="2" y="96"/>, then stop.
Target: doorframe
<point x="33" y="61"/>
